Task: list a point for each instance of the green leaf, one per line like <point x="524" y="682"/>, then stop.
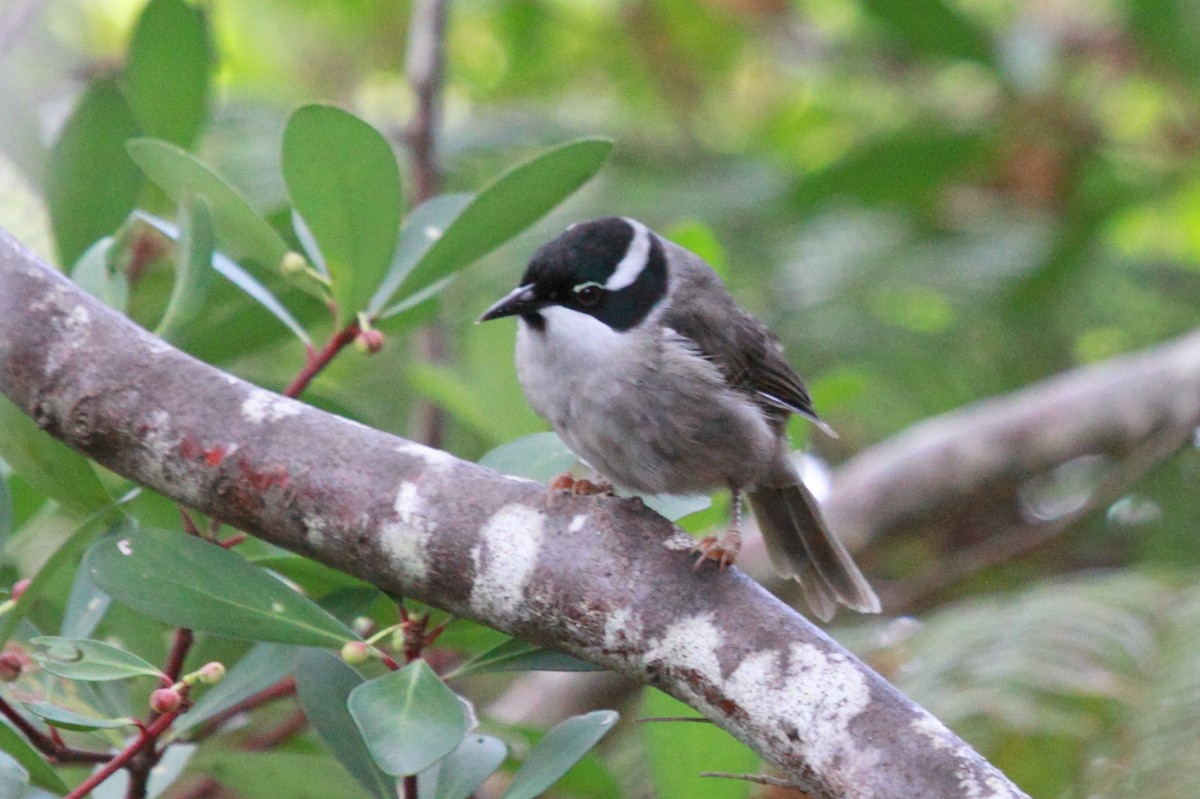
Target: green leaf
<point x="323" y="687"/>
<point x="94" y="273"/>
<point x="40" y="773"/>
<point x="459" y="774"/>
<point x="676" y="753"/>
<point x="86" y="606"/>
<point x="426" y="224"/>
<point x="167" y="75"/>
<point x="409" y="719"/>
<point x="453" y="392"/>
<point x="261" y="667"/>
<point x="47" y="464"/>
<point x="542" y="456"/>
<point x="316" y="579"/>
<point x="64" y="557"/>
<point x="507" y="206"/>
<point x="562" y="748"/>
<point x="277" y="774"/>
<point x="517" y="655"/>
<point x="413" y="309"/>
<point x="343" y="180"/>
<point x="931" y="27"/>
<point x="904" y="168"/>
<point x="81" y="659"/>
<point x="65" y="719"/>
<point x="188" y="582"/>
<point x="237" y="276"/>
<point x="1166" y="29"/>
<point x="87" y="660"/>
<point x="241" y="231"/>
<point x="193" y="271"/>
<point x="539" y="456"/>
<point x="91" y="185"/>
<point x="6" y="513"/>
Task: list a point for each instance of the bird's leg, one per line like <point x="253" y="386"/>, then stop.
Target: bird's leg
<point x="724" y="550"/>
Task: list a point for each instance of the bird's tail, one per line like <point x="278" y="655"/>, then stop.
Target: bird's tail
<point x="801" y="546"/>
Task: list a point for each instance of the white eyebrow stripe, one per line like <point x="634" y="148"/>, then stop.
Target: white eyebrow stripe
<point x="635" y="258"/>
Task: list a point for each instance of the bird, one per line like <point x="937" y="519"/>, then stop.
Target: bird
<point x="634" y="351"/>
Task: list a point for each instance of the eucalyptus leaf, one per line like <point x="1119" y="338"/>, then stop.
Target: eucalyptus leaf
<point x="40" y="772"/>
<point x="676" y="753"/>
<point x="235" y="274"/>
<point x="409" y="719"/>
<point x="65" y="557"/>
<point x="167" y="70"/>
<point x="343" y="180"/>
<point x="47" y="464"/>
<point x="241" y="231"/>
<point x="554" y="755"/>
<point x="507" y="206"/>
<point x="94" y="273"/>
<point x="261" y="667"/>
<point x="538" y="456"/>
<point x="91" y="185"/>
<point x="86" y="606"/>
<point x="6" y="512"/>
<point x="81" y="659"/>
<point x="323" y="686"/>
<point x="193" y="270"/>
<point x="187" y="582"/>
<point x="426" y="224"/>
<point x="413" y="302"/>
<point x="517" y="655"/>
<point x="463" y="771"/>
<point x="65" y="719"/>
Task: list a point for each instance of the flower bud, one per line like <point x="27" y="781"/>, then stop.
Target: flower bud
<point x="20" y="586"/>
<point x="212" y="673"/>
<point x="11" y="666"/>
<point x="165" y="700"/>
<point x="293" y="263"/>
<point x="355" y="652"/>
<point x="369" y="341"/>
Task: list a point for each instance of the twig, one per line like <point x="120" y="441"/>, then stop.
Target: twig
<point x="284" y="688"/>
<point x="316" y="361"/>
<point x="761" y="779"/>
<point x="147" y="737"/>
<point x="47" y="745"/>
<point x="655" y="719"/>
<point x="293" y="724"/>
<point x="425" y="66"/>
<point x="180" y="646"/>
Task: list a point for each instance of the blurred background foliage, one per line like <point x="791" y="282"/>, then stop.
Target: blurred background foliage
<point x="932" y="201"/>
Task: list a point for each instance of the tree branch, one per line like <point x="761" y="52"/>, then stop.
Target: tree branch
<point x="602" y="578"/>
<point x="939" y="468"/>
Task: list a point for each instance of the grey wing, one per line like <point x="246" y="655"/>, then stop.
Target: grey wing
<point x="747" y="353"/>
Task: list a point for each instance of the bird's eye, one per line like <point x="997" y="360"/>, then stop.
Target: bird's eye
<point x="589" y="294"/>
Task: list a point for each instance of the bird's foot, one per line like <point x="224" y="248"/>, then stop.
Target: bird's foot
<point x="724" y="550"/>
<point x="579" y="487"/>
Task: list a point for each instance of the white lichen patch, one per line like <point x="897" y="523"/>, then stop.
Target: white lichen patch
<point x="689" y="644"/>
<point x="505" y="559"/>
<point x="263" y="406"/>
<point x="314" y="529"/>
<point x="623" y="630"/>
<point x="434" y="458"/>
<point x="77" y="319"/>
<point x="809" y="701"/>
<point x="576" y="523"/>
<point x="680" y="541"/>
<point x="977" y="779"/>
<point x="406" y="539"/>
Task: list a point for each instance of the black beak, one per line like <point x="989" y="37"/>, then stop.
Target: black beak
<point x="518" y="301"/>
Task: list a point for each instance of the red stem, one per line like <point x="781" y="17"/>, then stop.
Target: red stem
<point x="148" y="737"/>
<point x="285" y="687"/>
<point x="45" y="744"/>
<point x="316" y="361"/>
<point x="179" y="650"/>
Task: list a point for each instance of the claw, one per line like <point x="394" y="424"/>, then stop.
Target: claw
<point x="587" y="488"/>
<point x="723" y="550"/>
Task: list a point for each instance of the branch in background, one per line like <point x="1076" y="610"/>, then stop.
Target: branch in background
<point x="425" y="68"/>
<point x="941" y="468"/>
<point x="601" y="578"/>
